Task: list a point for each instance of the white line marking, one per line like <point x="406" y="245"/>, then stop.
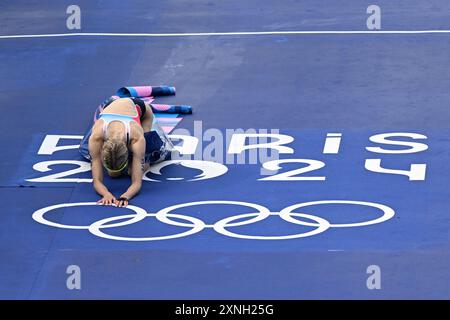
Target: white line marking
<point x="205" y="34"/>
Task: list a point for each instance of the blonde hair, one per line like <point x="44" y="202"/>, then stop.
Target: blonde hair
<point x="114" y="154"/>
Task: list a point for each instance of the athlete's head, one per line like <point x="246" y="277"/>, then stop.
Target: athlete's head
<point x="115" y="157"/>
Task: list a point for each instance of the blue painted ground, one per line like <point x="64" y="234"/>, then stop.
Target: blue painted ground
<point x="305" y="86"/>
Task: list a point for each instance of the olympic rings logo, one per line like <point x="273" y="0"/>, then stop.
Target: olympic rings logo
<point x="222" y="226"/>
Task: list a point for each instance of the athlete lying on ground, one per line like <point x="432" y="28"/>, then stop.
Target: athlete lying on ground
<point x="124" y="138"/>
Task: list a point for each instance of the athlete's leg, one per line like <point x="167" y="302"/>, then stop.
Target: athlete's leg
<point x="158" y="146"/>
<point x="147" y="120"/>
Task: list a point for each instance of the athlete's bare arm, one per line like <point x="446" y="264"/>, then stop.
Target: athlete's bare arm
<point x="95" y="146"/>
<point x="136" y="172"/>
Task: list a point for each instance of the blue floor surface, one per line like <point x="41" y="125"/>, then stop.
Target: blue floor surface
<point x="305" y="86"/>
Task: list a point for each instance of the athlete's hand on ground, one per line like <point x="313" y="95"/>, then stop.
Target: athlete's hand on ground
<point x="122" y="201"/>
<point x="107" y="200"/>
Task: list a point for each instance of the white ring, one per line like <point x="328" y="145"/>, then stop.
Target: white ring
<point x="196" y="225"/>
<point x="322" y="226"/>
<point x="38" y="215"/>
<point x="95" y="228"/>
<point x="388" y="213"/>
<point x="162" y="215"/>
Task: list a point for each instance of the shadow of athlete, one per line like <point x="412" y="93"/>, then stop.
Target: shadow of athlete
<point x="125" y="138"/>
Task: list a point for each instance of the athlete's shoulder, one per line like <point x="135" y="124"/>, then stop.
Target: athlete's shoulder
<point x="97" y="131"/>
